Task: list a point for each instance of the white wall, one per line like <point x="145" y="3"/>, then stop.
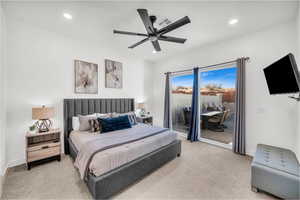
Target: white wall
<point x="2" y="93"/>
<point x="148" y="86"/>
<point x="40" y="72"/>
<point x="269" y="119"/>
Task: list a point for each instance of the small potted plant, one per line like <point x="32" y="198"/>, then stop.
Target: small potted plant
<point x="32" y="129"/>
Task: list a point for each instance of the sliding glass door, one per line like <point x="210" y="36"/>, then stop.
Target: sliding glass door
<point x="181" y="100"/>
<point x="217" y="104"/>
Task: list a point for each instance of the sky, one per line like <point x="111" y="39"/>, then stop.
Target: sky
<point x="225" y="77"/>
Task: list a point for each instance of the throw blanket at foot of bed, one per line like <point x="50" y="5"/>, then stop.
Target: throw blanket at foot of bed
<point x="109" y="140"/>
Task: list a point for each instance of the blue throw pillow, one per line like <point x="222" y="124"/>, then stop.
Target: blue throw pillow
<point x="115" y="123"/>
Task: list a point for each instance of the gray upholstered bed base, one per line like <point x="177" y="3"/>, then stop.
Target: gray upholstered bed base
<point x="112" y="182"/>
<point x="72" y="149"/>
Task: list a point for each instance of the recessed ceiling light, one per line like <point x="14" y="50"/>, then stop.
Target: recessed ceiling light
<point x="154" y="51"/>
<point x="67" y="16"/>
<point x="233" y="21"/>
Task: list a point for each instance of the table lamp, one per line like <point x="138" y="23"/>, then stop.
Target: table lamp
<point x="141" y="106"/>
<point x="43" y="116"/>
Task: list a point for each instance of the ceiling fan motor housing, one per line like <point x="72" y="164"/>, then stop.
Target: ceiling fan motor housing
<point x="153" y="19"/>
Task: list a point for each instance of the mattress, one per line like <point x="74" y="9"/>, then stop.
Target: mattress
<point x="112" y="158"/>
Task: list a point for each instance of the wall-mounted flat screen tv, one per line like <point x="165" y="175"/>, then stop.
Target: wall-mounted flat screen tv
<point x="283" y="76"/>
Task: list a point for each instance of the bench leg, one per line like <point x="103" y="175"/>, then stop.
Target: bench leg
<point x="254" y="189"/>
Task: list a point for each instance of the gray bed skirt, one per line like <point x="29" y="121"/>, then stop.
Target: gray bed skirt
<point x="112" y="182"/>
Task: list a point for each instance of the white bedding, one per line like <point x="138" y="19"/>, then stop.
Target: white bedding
<point x="109" y="159"/>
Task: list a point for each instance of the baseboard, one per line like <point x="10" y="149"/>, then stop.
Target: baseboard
<point x="16" y="162"/>
<point x="1" y="185"/>
<point x="250" y="153"/>
<point x="2" y="180"/>
<point x="183" y="136"/>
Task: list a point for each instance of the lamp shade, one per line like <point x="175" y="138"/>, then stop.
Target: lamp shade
<point x="141" y="106"/>
<point x="42" y="113"/>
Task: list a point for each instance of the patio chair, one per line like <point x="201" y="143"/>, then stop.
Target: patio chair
<point x="216" y="123"/>
<point x="210" y="108"/>
<point x="187" y="116"/>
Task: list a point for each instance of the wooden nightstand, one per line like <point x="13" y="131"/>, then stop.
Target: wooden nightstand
<point x="40" y="146"/>
<point x="146" y="119"/>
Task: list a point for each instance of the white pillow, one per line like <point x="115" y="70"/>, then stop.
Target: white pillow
<point x="84" y="124"/>
<point x="103" y="115"/>
<point x="75" y="123"/>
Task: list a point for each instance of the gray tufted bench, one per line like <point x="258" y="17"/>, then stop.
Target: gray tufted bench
<point x="276" y="171"/>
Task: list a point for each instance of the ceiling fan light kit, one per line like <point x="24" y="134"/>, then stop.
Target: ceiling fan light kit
<point x="153" y="35"/>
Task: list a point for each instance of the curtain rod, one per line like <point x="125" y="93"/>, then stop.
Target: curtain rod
<point x="246" y="58"/>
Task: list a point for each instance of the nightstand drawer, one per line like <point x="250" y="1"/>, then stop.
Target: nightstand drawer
<point x="145" y="119"/>
<point x="43" y="146"/>
<point x="45" y="152"/>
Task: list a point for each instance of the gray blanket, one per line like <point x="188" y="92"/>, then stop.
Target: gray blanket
<point x="109" y="140"/>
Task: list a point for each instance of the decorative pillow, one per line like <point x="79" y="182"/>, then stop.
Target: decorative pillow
<point x="115" y="123"/>
<point x="95" y="125"/>
<point x="131" y="117"/>
<point x="75" y="123"/>
<point x="84" y="124"/>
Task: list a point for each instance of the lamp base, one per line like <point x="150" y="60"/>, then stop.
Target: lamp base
<point x="43" y="125"/>
<point x="142" y="112"/>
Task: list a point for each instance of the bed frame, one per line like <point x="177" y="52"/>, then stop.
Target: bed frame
<point x="112" y="182"/>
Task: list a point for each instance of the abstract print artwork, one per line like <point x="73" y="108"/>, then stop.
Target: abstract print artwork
<point x="113" y="74"/>
<point x="86" y="77"/>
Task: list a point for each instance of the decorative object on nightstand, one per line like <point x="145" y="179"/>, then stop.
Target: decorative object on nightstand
<point x="141" y="107"/>
<point x="146" y="119"/>
<point x="43" y="116"/>
<point x="42" y="145"/>
<point x="32" y="129"/>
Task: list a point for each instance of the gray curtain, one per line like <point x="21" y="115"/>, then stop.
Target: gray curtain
<point x="194" y="125"/>
<point x="239" y="135"/>
<point x="167" y="120"/>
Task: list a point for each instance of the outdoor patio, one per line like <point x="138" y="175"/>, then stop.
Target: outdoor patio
<point x="223" y="137"/>
<point x="181" y="113"/>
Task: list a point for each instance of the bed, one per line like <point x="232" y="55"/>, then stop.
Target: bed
<point x="146" y="155"/>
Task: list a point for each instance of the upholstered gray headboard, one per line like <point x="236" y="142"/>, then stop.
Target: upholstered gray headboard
<point x="74" y="107"/>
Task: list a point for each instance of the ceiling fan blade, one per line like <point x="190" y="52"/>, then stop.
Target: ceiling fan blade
<point x="183" y="21"/>
<point x="138" y="43"/>
<point x="129" y="33"/>
<point x="171" y="39"/>
<point x="146" y="20"/>
<point x="156" y="45"/>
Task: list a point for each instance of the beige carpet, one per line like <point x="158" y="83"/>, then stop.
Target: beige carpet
<point x="202" y="172"/>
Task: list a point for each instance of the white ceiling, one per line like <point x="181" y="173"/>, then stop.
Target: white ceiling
<point x="94" y="21"/>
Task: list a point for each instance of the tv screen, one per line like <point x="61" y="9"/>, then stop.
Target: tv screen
<point x="282" y="76"/>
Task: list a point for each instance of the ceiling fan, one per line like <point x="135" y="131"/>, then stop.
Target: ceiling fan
<point x="153" y="34"/>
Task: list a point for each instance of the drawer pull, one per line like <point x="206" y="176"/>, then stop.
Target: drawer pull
<point x="45" y="147"/>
